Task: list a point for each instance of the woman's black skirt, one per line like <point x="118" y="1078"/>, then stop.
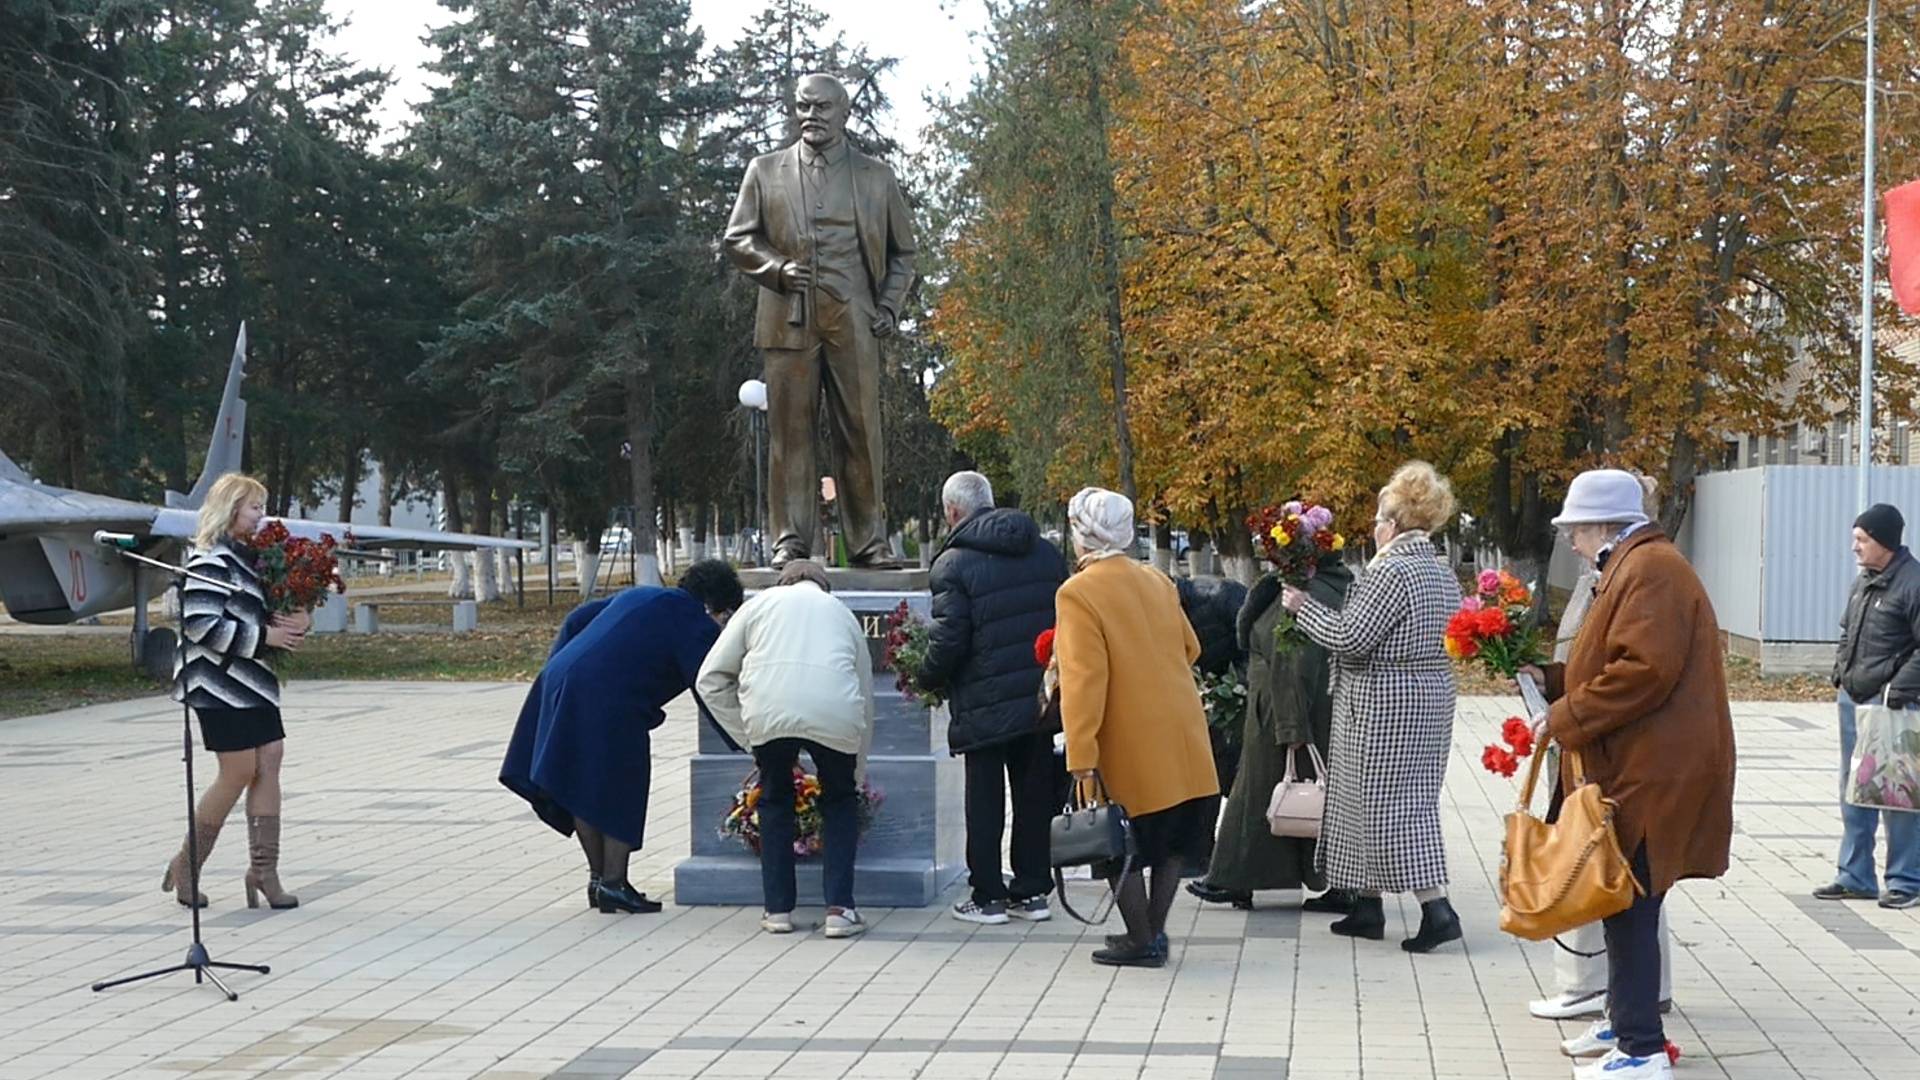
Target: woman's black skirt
<point x="1179" y="837"/>
<point x="223" y="730"/>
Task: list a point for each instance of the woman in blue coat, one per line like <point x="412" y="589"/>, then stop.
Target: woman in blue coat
<point x="582" y="752"/>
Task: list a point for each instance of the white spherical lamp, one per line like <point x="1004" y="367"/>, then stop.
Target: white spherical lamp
<point x="753" y="394"/>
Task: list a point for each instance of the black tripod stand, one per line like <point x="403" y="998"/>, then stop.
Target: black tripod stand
<point x="198" y="962"/>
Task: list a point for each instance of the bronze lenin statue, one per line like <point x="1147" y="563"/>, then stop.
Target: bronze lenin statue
<point x="825" y="232"/>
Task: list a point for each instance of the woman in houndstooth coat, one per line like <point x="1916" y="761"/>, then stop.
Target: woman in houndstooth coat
<point x="1393" y="700"/>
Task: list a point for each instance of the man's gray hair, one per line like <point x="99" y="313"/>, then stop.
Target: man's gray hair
<point x="967" y="493"/>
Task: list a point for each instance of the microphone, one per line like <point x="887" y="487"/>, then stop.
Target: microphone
<point x="118" y="541"/>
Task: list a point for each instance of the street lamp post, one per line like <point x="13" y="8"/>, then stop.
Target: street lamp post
<point x="753" y="396"/>
<point x="1866" y="278"/>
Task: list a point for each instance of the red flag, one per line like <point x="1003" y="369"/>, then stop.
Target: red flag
<point x="1903" y="245"/>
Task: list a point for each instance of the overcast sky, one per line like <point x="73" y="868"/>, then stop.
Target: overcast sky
<point x="930" y="38"/>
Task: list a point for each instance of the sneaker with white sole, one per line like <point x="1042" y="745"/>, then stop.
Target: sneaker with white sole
<point x="1032" y="909"/>
<point x="991" y="913"/>
<point x="1570" y="1005"/>
<point x="844" y="923"/>
<point x="777" y="922"/>
<point x="1621" y="1066"/>
<point x="1593" y="1042"/>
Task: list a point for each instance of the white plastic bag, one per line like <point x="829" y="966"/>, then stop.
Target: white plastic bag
<point x="1884" y="773"/>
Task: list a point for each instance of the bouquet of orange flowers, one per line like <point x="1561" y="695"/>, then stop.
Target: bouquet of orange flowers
<point x="295" y="572"/>
<point x="743" y="816"/>
<point x="1495" y="625"/>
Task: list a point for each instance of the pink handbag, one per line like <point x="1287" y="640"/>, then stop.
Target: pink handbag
<point x="1297" y="805"/>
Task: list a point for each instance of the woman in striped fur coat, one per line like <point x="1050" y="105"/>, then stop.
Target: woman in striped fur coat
<point x="226" y="677"/>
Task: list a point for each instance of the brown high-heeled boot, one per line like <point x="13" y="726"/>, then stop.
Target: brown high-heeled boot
<point x="263" y="864"/>
<point x="178" y="880"/>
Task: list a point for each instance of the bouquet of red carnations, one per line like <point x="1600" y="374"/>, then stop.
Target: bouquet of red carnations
<point x="1505" y="760"/>
<point x="295" y="572"/>
<point x="907" y="643"/>
<point x="1294" y="537"/>
<point x="1495" y="625"/>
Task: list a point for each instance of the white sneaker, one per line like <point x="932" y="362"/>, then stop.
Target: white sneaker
<point x="1593" y="1042"/>
<point x="1619" y="1066"/>
<point x="777" y="922"/>
<point x="845" y="923"/>
<point x="1571" y="1005"/>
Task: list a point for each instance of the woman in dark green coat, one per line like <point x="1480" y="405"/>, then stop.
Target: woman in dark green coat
<point x="1289" y="703"/>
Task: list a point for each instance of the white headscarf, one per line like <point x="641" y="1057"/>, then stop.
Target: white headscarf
<point x="1102" y="522"/>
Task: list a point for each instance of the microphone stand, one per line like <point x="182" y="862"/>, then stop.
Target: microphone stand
<point x="198" y="961"/>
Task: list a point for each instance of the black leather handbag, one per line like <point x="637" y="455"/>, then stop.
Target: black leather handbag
<point x="1088" y="832"/>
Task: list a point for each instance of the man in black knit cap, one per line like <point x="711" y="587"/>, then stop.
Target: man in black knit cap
<point x="1879" y="654"/>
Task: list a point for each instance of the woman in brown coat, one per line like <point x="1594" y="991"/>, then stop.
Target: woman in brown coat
<point x="1642" y="698"/>
<point x="1132" y="713"/>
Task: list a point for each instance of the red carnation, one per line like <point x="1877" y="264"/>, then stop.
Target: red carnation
<point x="1516" y="731"/>
<point x="1043" y="647"/>
<point x="1492" y="622"/>
<point x="1496" y="760"/>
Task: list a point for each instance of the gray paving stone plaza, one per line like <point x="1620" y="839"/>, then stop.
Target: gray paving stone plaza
<point x="443" y="933"/>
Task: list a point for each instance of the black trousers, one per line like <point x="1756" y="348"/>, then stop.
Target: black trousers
<point x="839" y="827"/>
<point x="1029" y="765"/>
<point x="1633" y="970"/>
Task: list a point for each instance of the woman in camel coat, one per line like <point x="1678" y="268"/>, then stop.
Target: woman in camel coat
<point x="1132" y="713"/>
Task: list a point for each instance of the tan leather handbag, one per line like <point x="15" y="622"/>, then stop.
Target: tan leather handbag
<point x="1567" y="874"/>
<point x="1296" y="806"/>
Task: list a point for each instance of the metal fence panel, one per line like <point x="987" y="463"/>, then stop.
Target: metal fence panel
<point x="1722" y="538"/>
<point x="1808" y="563"/>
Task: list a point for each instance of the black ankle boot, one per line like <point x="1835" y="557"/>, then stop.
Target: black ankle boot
<point x="1367" y="919"/>
<point x="593" y="889"/>
<point x="615" y="896"/>
<point x="1438" y="925"/>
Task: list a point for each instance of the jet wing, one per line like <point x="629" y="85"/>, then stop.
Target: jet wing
<point x="181" y="523"/>
<point x="27" y="509"/>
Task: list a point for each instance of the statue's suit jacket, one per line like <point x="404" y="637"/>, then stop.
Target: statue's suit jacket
<point x="769" y="227"/>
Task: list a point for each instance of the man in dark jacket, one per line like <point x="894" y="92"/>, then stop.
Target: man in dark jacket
<point x="1213" y="606"/>
<point x="993" y="584"/>
<point x="1878" y="641"/>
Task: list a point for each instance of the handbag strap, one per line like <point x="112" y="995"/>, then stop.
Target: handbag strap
<point x="1533" y="770"/>
<point x="1602" y="951"/>
<point x="1319" y="764"/>
<point x="1076" y="802"/>
<point x="1107" y="902"/>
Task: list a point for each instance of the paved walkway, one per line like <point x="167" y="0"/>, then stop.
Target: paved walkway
<point x="444" y="934"/>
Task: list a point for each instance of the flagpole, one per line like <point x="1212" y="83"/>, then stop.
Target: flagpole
<point x="1866" y="278"/>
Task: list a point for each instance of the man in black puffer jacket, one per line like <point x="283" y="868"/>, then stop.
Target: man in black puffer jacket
<point x="1213" y="605"/>
<point x="993" y="584"/>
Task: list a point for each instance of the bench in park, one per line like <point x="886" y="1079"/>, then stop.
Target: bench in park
<point x="366" y="613"/>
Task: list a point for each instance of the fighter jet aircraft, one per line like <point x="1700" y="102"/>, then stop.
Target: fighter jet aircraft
<point x="53" y="569"/>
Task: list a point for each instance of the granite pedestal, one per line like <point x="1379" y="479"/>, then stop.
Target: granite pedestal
<point x="915" y="847"/>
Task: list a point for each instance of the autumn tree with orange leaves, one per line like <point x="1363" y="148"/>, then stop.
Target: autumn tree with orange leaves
<point x="1516" y="237"/>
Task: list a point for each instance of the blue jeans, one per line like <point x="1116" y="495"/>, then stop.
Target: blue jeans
<point x="1858" y="824"/>
<point x="840" y="825"/>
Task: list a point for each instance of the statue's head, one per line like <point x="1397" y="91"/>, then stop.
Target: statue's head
<point x="821" y="103"/>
